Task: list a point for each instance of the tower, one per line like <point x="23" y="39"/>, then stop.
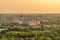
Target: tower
<point x="21" y="15"/>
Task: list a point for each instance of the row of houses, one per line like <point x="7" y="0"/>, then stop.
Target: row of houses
<point x="31" y="21"/>
<point x="20" y="19"/>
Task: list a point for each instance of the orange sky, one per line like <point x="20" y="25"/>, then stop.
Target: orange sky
<point x="29" y="6"/>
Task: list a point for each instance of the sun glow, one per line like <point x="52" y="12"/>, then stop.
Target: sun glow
<point x="7" y="6"/>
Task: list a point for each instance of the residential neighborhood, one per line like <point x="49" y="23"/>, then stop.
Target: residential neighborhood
<point x="29" y="27"/>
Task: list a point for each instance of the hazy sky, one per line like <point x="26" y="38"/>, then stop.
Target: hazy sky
<point x="29" y="6"/>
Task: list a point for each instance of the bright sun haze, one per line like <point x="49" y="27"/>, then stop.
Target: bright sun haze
<point x="29" y="6"/>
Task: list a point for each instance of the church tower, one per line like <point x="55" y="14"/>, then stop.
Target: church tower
<point x="21" y="15"/>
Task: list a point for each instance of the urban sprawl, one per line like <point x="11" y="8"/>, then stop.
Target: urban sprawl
<point x="29" y="27"/>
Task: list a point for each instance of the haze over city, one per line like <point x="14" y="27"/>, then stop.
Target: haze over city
<point x="30" y="6"/>
<point x="29" y="19"/>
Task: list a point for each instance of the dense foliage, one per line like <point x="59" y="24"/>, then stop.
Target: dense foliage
<point x="52" y="33"/>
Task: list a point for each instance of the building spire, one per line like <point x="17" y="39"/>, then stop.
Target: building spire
<point x="21" y="15"/>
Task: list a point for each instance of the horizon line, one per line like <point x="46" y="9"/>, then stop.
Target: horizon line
<point x="33" y="13"/>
